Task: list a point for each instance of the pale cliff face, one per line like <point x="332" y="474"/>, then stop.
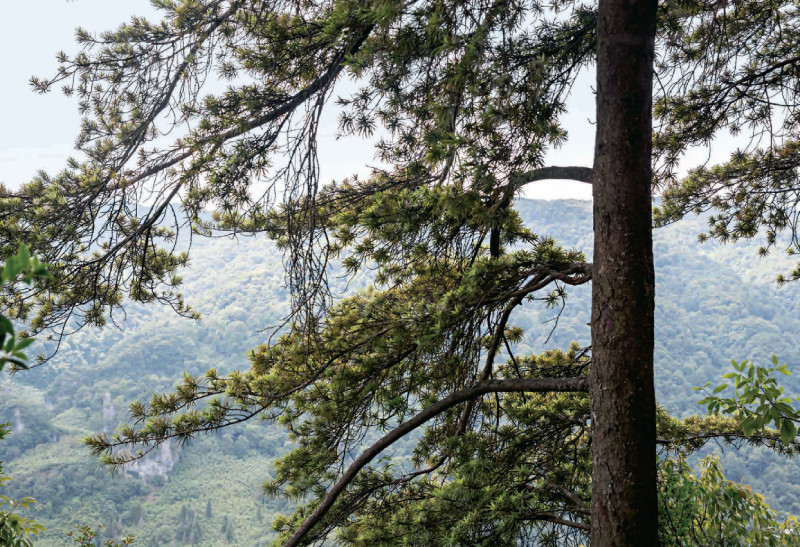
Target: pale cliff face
<point x="157" y="463"/>
<point x="109" y="413"/>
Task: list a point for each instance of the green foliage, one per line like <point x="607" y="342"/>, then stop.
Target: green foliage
<point x="728" y="314"/>
<point x="357" y="373"/>
<point x="736" y="56"/>
<point x="757" y="399"/>
<point x="85" y="536"/>
<point x="487" y="107"/>
<point x="15" y="530"/>
<point x="25" y="268"/>
<point x="710" y="510"/>
<point x="467" y="98"/>
<point x="60" y="403"/>
<point x="188" y="531"/>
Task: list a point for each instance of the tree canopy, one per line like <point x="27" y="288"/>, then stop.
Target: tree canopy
<point x="729" y="71"/>
<point x="462" y="102"/>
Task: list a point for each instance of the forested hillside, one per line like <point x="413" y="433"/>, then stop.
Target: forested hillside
<point x="714" y="303"/>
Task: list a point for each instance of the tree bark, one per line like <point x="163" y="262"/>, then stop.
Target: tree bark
<point x="571" y="172"/>
<point x="624" y="498"/>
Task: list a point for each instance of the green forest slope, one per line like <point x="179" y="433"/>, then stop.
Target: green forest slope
<point x="714" y="303"/>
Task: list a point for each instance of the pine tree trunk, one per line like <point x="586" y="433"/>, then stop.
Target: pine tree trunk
<point x="624" y="502"/>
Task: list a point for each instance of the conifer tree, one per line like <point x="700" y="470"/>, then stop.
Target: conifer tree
<point x="742" y="88"/>
<point x="462" y="101"/>
<point x="623" y="401"/>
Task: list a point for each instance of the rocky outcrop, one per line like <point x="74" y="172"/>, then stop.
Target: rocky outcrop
<point x="109" y="413"/>
<point x="157" y="463"/>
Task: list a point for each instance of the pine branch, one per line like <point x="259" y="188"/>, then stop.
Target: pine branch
<point x="538" y="385"/>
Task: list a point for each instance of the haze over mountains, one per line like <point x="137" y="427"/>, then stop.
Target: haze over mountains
<point x="714" y="303"/>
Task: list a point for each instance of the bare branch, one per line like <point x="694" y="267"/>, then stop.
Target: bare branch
<point x="572" y="172"/>
<point x="554" y="518"/>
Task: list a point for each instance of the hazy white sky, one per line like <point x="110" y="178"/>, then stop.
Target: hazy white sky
<point x="38" y="131"/>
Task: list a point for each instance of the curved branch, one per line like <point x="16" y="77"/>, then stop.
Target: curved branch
<point x="555" y="519"/>
<point x="728" y="436"/>
<point x="534" y="284"/>
<point x="572" y="172"/>
<point x="580" y="505"/>
<point x="320" y="84"/>
<point x="292" y="102"/>
<point x="538" y="385"/>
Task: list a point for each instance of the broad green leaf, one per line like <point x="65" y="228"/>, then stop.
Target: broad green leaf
<point x="5" y="325"/>
<point x="748" y="426"/>
<point x="788" y="431"/>
<point x="24" y="343"/>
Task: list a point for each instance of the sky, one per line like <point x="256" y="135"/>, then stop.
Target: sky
<point x="38" y="131"/>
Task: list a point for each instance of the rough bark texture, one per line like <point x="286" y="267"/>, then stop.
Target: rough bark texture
<point x="624" y="502"/>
